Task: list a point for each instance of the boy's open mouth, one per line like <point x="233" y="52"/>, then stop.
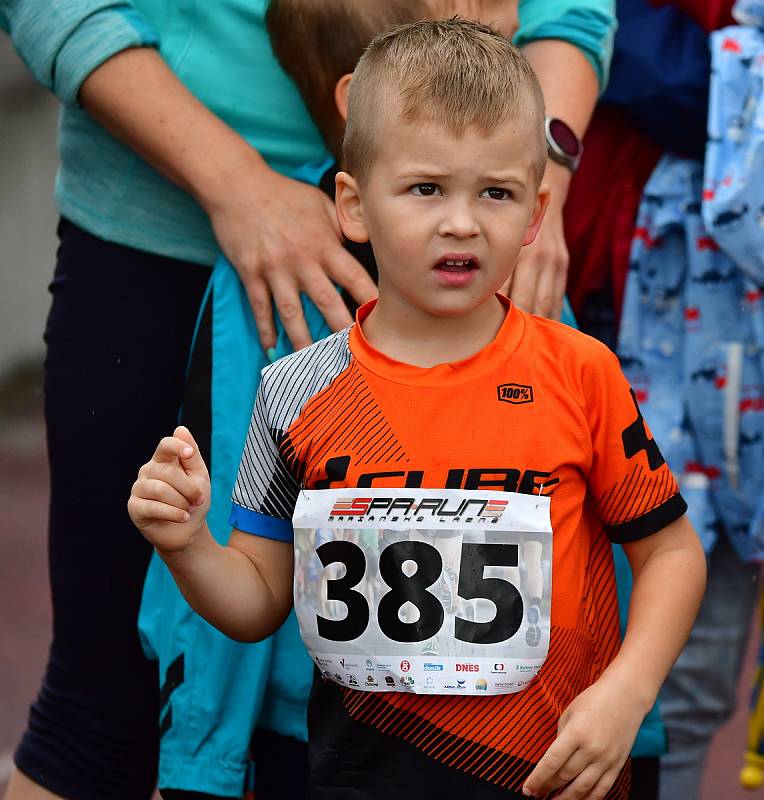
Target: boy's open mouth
<point x="458" y="263"/>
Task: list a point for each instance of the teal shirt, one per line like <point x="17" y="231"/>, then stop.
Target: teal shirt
<point x="590" y="25"/>
<point x="220" y="51"/>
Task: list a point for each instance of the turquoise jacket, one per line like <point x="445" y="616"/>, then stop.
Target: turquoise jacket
<point x="214" y="690"/>
<point x="220" y="51"/>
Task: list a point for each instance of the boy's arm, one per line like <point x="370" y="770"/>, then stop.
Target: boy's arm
<point x="597" y="730"/>
<point x="244" y="589"/>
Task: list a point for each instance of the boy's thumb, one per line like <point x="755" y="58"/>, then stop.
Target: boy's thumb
<point x="194" y="461"/>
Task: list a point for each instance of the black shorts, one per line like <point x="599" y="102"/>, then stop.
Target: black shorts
<point x="118" y="338"/>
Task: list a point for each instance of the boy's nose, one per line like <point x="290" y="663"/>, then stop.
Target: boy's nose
<point x="458" y="221"/>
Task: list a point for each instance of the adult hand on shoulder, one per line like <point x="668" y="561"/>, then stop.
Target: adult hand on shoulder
<point x="283" y="238"/>
<point x="540" y="278"/>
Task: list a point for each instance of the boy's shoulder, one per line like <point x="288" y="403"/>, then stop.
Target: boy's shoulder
<point x="310" y="369"/>
<point x="574" y="362"/>
<point x="559" y="339"/>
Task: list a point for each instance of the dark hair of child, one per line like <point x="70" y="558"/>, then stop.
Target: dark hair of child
<point x="319" y="41"/>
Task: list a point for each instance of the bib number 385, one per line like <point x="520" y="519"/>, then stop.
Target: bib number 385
<point x="407" y="586"/>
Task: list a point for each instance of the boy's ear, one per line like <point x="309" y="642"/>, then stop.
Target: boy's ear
<point x="537" y="217"/>
<point x="341" y="95"/>
<point x="349" y="212"/>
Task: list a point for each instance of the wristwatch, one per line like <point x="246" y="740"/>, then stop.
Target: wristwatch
<point x="563" y="145"/>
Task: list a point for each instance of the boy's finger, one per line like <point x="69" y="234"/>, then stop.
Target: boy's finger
<point x="583" y="785"/>
<point x="191" y="457"/>
<point x="603" y="785"/>
<point x="169" y="449"/>
<point x="568" y="772"/>
<point x="538" y="782"/>
<point x="175" y="476"/>
<point x="153" y="489"/>
<point x="144" y="512"/>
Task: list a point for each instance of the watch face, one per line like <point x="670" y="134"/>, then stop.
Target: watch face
<point x="564" y="137"/>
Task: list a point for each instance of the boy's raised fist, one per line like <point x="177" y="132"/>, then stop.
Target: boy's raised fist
<point x="169" y="501"/>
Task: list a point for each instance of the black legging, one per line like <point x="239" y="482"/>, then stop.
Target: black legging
<point x="118" y="337"/>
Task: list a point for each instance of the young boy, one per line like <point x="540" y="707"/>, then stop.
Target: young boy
<point x="459" y="430"/>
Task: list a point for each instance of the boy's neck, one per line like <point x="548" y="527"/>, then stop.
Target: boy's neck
<point x="424" y="340"/>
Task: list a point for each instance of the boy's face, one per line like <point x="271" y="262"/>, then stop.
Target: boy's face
<point x="446" y="214"/>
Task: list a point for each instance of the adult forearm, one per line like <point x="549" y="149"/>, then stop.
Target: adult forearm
<point x="567" y="78"/>
<point x="139" y="100"/>
<point x="224" y="586"/>
<point x="668" y="588"/>
<point x="570" y="91"/>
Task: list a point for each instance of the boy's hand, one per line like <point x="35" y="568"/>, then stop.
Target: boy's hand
<point x="170" y="499"/>
<point x="594" y="737"/>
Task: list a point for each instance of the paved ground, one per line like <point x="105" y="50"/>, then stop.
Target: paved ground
<point x="25" y="605"/>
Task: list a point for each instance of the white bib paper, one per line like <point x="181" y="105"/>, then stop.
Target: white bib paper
<point x="437" y="591"/>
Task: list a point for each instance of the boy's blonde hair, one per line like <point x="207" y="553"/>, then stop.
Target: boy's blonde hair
<point x="319" y="41"/>
<point x="453" y="72"/>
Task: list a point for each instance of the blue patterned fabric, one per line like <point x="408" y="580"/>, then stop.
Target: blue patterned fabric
<point x="691" y="345"/>
<point x="749" y="12"/>
<point x="733" y="208"/>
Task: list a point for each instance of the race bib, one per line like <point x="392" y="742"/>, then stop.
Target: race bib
<point x="438" y="591"/>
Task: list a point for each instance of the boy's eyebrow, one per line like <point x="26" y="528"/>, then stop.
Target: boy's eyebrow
<point x="436" y="174"/>
<point x="504" y="179"/>
<point x="423" y="173"/>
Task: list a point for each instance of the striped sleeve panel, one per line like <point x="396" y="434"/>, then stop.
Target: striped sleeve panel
<point x="268" y="483"/>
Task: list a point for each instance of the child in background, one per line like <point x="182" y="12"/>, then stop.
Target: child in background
<point x="445" y="151"/>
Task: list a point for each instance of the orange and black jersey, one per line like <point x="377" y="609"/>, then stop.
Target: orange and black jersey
<point x="542" y="409"/>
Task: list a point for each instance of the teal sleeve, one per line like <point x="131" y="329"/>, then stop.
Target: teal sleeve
<point x="62" y="43"/>
<point x="589" y="25"/>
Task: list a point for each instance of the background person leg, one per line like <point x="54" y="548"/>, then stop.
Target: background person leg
<point x="700" y="692"/>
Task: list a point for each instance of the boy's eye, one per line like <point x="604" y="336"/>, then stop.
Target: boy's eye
<point x="495" y="193"/>
<point x="425" y="189"/>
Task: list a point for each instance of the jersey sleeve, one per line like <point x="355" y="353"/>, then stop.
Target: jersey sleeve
<point x="634" y="490"/>
<point x="265" y="493"/>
